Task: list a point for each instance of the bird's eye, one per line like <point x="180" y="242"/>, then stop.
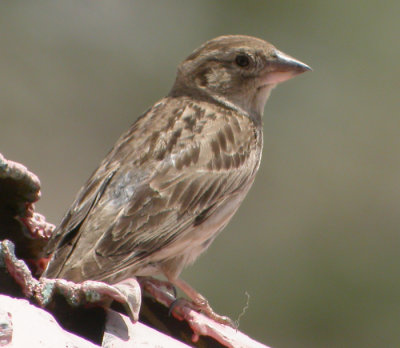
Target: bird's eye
<point x="242" y="60"/>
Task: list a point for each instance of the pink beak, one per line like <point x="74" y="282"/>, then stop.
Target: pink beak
<point x="283" y="67"/>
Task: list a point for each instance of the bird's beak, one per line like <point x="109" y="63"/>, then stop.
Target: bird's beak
<point x="283" y="67"/>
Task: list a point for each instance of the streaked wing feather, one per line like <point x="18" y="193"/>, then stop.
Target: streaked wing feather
<point x="61" y="243"/>
<point x="184" y="192"/>
<point x="193" y="164"/>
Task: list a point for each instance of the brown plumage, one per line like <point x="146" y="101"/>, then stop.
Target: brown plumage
<point x="177" y="176"/>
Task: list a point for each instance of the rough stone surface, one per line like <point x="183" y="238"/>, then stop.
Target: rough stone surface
<point x="33" y="327"/>
<point x="121" y="333"/>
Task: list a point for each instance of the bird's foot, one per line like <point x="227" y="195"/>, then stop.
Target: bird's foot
<point x="165" y="292"/>
<point x="181" y="305"/>
<point x="201" y="323"/>
<point x="200" y="303"/>
<point x="93" y="292"/>
<point x="42" y="291"/>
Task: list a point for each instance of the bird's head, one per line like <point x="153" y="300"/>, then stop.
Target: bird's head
<point x="239" y="71"/>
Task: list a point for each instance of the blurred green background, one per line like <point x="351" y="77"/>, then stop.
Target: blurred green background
<point x="316" y="242"/>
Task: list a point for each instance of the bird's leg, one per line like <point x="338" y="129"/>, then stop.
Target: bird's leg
<point x="199" y="303"/>
<point x="158" y="288"/>
<point x="162" y="292"/>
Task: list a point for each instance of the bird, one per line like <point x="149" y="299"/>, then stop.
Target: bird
<point x="174" y="180"/>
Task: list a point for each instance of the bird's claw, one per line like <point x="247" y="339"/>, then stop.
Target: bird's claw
<point x="180" y="306"/>
<point x="94" y="292"/>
